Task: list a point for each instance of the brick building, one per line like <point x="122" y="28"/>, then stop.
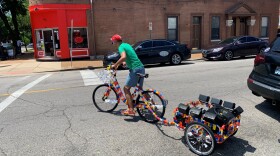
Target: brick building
<point x="199" y="23"/>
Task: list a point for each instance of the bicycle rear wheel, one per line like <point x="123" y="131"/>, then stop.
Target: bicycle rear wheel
<point x="156" y="104"/>
<point x="105" y="98"/>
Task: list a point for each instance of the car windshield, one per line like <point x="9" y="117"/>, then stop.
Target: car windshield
<point x="229" y="40"/>
<point x="275" y="46"/>
<point x="136" y="44"/>
<point x="7" y="45"/>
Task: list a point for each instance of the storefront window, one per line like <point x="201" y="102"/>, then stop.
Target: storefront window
<point x="80" y="39"/>
<point x="56" y="39"/>
<point x="264" y="27"/>
<point x="215" y="30"/>
<point x="39" y="40"/>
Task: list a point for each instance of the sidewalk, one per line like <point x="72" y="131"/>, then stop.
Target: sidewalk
<point x="26" y="64"/>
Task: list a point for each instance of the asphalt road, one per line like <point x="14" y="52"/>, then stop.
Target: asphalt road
<point x="52" y="113"/>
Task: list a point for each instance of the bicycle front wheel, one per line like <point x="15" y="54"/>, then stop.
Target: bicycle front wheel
<point x="105" y="98"/>
<point x="155" y="105"/>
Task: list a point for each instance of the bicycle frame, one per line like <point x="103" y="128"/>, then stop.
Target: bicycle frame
<point x="114" y="84"/>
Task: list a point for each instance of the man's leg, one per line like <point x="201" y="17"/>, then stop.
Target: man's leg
<point x="128" y="97"/>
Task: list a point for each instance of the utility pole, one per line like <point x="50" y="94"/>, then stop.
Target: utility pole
<point x="93" y="32"/>
<point x="71" y="50"/>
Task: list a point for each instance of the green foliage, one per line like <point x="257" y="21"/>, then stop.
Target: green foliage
<point x="15" y="20"/>
<point x="24" y="28"/>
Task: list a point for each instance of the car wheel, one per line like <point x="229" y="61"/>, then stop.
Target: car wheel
<point x="261" y="50"/>
<point x="228" y="55"/>
<point x="176" y="59"/>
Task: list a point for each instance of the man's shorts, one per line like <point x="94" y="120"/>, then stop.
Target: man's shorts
<point x="132" y="78"/>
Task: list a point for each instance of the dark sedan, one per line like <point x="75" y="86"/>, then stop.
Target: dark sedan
<point x="235" y="47"/>
<point x="155" y="51"/>
<point x="264" y="79"/>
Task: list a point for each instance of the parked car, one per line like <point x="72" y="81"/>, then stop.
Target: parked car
<point x="3" y="53"/>
<point x="155" y="51"/>
<point x="236" y="46"/>
<point x="264" y="80"/>
<point x="30" y="45"/>
<point x="9" y="49"/>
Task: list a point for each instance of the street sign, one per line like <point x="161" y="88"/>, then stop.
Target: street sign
<point x="150" y="26"/>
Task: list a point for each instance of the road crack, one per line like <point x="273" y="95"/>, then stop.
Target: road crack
<point x="1" y="149"/>
<point x="68" y="132"/>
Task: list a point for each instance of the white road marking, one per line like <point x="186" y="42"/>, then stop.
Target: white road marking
<point x="19" y="92"/>
<point x="90" y="78"/>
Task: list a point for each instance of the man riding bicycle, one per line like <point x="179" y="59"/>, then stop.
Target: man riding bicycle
<point x="131" y="60"/>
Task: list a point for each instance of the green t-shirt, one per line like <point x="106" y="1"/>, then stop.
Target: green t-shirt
<point x="132" y="60"/>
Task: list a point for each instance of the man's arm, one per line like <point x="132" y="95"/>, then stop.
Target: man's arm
<point x="120" y="61"/>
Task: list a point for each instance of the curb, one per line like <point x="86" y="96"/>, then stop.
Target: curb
<point x="73" y="69"/>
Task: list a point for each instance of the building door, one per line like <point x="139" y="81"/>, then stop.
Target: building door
<point x="243" y="26"/>
<point x="48" y="42"/>
<point x="196" y="31"/>
<point x="240" y="27"/>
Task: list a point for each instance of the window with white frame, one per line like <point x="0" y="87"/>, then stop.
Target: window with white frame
<point x="264" y="27"/>
<point x="172" y="26"/>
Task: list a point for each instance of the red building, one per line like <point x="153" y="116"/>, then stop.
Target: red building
<point x="199" y="23"/>
<point x="51" y="29"/>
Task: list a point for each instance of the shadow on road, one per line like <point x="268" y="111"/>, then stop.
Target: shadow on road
<point x="5" y="66"/>
<point x="166" y="65"/>
<point x="162" y="131"/>
<point x="267" y="108"/>
<point x="231" y="147"/>
<point x="234" y="146"/>
<point x="236" y="58"/>
<point x="130" y="119"/>
<point x="24" y="56"/>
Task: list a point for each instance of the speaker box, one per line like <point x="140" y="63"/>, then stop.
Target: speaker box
<point x="215" y="101"/>
<point x="182" y="108"/>
<point x="237" y="111"/>
<point x="210" y="117"/>
<point x="203" y="98"/>
<point x="229" y="105"/>
<point x="196" y="112"/>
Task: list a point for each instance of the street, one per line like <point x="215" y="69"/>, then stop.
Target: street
<point x="53" y="114"/>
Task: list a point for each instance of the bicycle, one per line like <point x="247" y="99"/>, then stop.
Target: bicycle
<point x="149" y="103"/>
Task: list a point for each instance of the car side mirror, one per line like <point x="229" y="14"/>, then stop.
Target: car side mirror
<point x="138" y="48"/>
<point x="237" y="42"/>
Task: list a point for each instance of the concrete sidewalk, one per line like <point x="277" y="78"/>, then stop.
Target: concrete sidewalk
<point x="26" y="64"/>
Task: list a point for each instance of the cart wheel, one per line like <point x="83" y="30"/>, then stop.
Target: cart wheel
<point x="200" y="138"/>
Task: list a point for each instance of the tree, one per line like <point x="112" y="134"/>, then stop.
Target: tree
<point x="25" y="29"/>
<point x="3" y="31"/>
<point x="11" y="9"/>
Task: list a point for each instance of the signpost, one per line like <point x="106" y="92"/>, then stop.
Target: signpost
<point x="150" y="28"/>
<point x="71" y="50"/>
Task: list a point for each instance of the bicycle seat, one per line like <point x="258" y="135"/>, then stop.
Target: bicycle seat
<point x="143" y="75"/>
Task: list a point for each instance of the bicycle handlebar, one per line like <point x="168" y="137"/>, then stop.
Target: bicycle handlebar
<point x="113" y="71"/>
<point x="109" y="67"/>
